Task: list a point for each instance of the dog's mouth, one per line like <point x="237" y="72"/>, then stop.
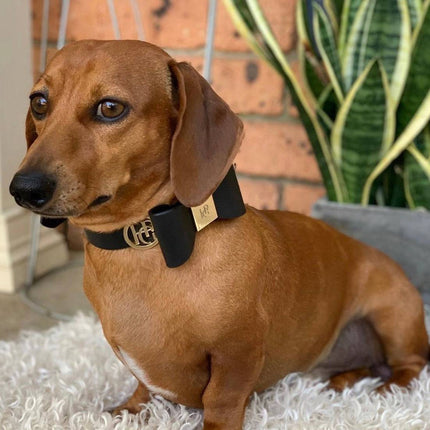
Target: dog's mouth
<point x="55" y="215"/>
<point x="99" y="201"/>
<point x="51" y="213"/>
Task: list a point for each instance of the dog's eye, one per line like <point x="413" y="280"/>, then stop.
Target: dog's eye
<point x="39" y="105"/>
<point x="110" y="109"/>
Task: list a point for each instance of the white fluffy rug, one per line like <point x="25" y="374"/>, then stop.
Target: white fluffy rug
<point x="66" y="377"/>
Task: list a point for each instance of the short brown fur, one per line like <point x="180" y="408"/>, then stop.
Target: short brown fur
<point x="262" y="295"/>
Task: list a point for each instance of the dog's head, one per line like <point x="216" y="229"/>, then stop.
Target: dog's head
<point x="115" y="128"/>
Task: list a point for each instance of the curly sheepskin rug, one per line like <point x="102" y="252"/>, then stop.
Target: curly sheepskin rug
<point x="66" y="377"/>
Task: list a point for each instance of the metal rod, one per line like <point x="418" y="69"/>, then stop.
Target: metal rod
<point x="138" y="20"/>
<point x="114" y="19"/>
<point x="210" y="34"/>
<point x="44" y="36"/>
<point x="34" y="246"/>
<point x="61" y="41"/>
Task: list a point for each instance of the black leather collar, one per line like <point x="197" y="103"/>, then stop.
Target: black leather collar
<point x="174" y="227"/>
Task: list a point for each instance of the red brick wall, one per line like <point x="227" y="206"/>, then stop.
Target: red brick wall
<point x="276" y="166"/>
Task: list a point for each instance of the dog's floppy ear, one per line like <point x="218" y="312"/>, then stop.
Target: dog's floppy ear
<point x="207" y="137"/>
<point x="30" y="129"/>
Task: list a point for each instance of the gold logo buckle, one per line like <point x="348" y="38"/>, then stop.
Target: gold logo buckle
<point x="140" y="235"/>
<point x="204" y="214"/>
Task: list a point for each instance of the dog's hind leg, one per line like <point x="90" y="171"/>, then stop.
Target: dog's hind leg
<point x="356" y="354"/>
<point x="406" y="346"/>
<point x="398" y="319"/>
<point x="388" y="339"/>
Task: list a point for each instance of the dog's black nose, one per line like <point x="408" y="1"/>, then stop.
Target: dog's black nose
<point x="32" y="190"/>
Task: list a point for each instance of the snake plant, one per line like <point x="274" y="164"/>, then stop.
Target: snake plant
<point x="365" y="96"/>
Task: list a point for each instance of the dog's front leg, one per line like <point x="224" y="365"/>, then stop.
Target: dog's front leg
<point x="134" y="403"/>
<point x="232" y="380"/>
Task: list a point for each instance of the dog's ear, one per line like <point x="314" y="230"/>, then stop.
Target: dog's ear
<point x="206" y="139"/>
<point x="30" y="129"/>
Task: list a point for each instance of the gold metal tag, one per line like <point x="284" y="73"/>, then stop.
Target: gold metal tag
<point x="204" y="214"/>
<point x="140" y="235"/>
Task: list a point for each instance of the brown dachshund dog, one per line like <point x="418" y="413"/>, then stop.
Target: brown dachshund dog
<point x="117" y="128"/>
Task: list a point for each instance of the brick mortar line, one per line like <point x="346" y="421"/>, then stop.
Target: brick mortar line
<point x="193" y="52"/>
<point x="279" y="180"/>
<point x="222" y="54"/>
<point x="280" y="201"/>
<point x="50" y="43"/>
<point x="219" y="54"/>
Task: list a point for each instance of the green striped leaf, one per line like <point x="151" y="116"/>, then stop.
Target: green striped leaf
<point x="328" y="103"/>
<point x="349" y="12"/>
<point x="415" y="9"/>
<point x="312" y="77"/>
<point x="326" y="43"/>
<point x="302" y="25"/>
<point x="413" y="128"/>
<point x="413" y="113"/>
<point x="331" y="11"/>
<point x="305" y="8"/>
<point x="327" y="109"/>
<point x="381" y="30"/>
<point x="418" y="81"/>
<point x="339" y="4"/>
<point x="363" y="129"/>
<point x="392" y="182"/>
<point x="325" y="121"/>
<point x="352" y="32"/>
<point x="309" y="64"/>
<point x="417" y="172"/>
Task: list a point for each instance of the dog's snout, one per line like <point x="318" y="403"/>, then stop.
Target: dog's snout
<point x="32" y="190"/>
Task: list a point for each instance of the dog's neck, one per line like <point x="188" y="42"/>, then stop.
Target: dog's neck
<point x="174" y="227"/>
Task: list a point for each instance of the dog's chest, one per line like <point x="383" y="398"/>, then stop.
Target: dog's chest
<point x="162" y="355"/>
<point x="152" y="330"/>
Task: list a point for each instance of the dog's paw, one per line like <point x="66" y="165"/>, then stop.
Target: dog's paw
<point x="347" y="379"/>
<point x="116" y="411"/>
<point x="134" y="404"/>
<point x="124" y="408"/>
<point x="121" y="413"/>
